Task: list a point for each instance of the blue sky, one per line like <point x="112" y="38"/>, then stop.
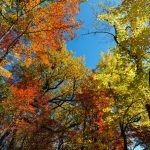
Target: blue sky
<point x="90" y="46"/>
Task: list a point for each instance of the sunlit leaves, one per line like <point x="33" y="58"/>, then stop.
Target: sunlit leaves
<point x="118" y="75"/>
<point x="31" y="27"/>
<point x="5" y="72"/>
<point x="131" y="23"/>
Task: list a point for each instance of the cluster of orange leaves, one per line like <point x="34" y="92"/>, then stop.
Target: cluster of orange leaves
<point x="22" y="103"/>
<point x="53" y="26"/>
<point x="41" y="27"/>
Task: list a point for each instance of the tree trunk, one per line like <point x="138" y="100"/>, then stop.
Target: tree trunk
<point x="125" y="141"/>
<point x="123" y="134"/>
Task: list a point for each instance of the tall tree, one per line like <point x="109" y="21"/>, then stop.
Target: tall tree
<point x="130" y="20"/>
<point x="117" y="74"/>
<point x="40" y="91"/>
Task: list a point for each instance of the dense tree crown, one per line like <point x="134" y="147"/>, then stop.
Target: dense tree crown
<point x="131" y="23"/>
<point x="31" y="28"/>
<point x="50" y="101"/>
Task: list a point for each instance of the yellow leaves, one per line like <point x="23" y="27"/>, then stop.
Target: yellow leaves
<point x="122" y="35"/>
<point x="108" y="109"/>
<point x="79" y="140"/>
<point x="100" y="3"/>
<point x="101" y="17"/>
<point x="5" y="72"/>
<point x="130" y="14"/>
<point x="32" y="4"/>
<point x="28" y="61"/>
<point x="67" y="62"/>
<point x="117" y="74"/>
<point x="17" y="56"/>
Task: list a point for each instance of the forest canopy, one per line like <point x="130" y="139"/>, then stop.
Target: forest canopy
<point x="49" y="99"/>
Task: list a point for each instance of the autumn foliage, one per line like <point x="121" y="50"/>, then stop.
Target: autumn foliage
<point x="32" y="27"/>
<point x="49" y="100"/>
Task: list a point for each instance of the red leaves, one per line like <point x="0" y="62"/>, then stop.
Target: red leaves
<point x="22" y="103"/>
<point x="5" y="39"/>
<point x="94" y="101"/>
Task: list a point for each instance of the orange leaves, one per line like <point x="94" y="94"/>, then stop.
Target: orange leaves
<point x="27" y="101"/>
<point x="23" y="98"/>
<point x="52" y="22"/>
<point x="27" y="61"/>
<point x="40" y="26"/>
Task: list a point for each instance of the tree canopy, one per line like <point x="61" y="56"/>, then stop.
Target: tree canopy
<point x="49" y="100"/>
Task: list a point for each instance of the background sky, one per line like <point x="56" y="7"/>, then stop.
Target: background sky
<point x="89" y="46"/>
